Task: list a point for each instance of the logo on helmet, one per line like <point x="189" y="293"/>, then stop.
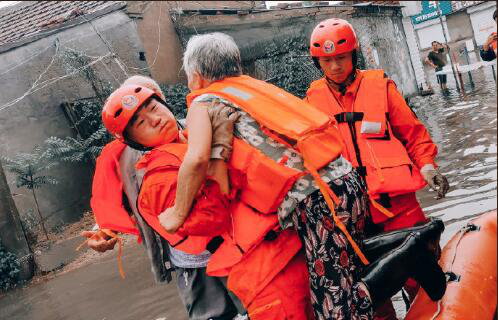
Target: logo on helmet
<point x="129" y="102"/>
<point x="328" y="46"/>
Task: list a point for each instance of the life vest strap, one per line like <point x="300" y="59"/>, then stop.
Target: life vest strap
<point x="214" y="244"/>
<point x="328" y="194"/>
<point x="382" y="209"/>
<point x="362" y="171"/>
<point x="179" y="242"/>
<point x="349" y="117"/>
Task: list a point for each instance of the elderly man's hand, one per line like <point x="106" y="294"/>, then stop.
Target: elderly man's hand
<point x="435" y="180"/>
<point x="222" y="119"/>
<point x="171" y="219"/>
<point x="98" y="240"/>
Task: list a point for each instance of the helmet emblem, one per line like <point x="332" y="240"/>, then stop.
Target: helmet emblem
<point x="328" y="46"/>
<point x="129" y="102"/>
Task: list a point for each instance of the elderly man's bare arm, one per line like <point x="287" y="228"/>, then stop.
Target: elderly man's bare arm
<point x="209" y="146"/>
<point x="193" y="169"/>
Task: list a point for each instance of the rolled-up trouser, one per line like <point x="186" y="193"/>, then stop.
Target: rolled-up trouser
<point x="206" y="297"/>
<point x="408" y="213"/>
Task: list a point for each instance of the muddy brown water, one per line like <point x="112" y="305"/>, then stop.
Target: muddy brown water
<point x="464" y="129"/>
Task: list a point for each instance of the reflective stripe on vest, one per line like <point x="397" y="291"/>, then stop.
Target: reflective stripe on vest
<point x="386" y="165"/>
<point x="292" y="122"/>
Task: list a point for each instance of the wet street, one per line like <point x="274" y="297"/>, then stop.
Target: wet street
<point x="96" y="292"/>
<point x="464" y="128"/>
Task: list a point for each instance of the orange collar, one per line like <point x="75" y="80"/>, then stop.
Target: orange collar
<point x="351" y="90"/>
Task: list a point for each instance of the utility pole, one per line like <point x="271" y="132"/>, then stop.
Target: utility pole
<point x="440" y="14"/>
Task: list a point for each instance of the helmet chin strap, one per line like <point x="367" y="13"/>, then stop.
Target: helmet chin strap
<point x="343" y="86"/>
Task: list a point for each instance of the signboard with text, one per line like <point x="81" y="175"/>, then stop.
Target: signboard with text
<point x="430" y="11"/>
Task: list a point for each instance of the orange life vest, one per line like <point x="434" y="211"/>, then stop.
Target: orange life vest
<point x="107" y="191"/>
<point x="265" y="182"/>
<point x="379" y="156"/>
<point x="254" y="204"/>
<point x="167" y="159"/>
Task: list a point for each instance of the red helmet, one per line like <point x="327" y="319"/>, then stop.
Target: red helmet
<point x="332" y="37"/>
<point x="121" y="105"/>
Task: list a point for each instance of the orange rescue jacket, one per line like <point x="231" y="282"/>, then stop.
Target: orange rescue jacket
<point x="378" y="155"/>
<point x="265" y="182"/>
<point x="107" y="191"/>
<point x="209" y="215"/>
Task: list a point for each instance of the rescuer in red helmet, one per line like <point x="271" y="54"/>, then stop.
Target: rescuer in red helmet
<point x="390" y="148"/>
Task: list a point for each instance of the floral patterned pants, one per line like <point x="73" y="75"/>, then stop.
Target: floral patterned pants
<point x="333" y="265"/>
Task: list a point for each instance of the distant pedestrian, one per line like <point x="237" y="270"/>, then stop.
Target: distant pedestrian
<point x="488" y="50"/>
<point x="437" y="59"/>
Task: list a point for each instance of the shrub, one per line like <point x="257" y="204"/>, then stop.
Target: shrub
<point x="287" y="65"/>
<point x="9" y="269"/>
<point x="176" y="99"/>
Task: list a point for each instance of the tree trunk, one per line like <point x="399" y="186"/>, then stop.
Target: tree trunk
<point x="39" y="214"/>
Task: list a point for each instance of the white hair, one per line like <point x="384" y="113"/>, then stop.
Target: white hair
<point x="214" y="56"/>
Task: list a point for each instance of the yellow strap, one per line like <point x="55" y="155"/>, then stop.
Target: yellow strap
<point x="377" y="205"/>
<point x="381" y="208"/>
<point x="327" y="194"/>
<point x="376" y="162"/>
<point x="120" y="249"/>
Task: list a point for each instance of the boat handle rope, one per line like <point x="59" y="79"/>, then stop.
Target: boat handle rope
<point x="450" y="275"/>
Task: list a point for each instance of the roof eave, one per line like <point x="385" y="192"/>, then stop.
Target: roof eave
<point x="63" y="26"/>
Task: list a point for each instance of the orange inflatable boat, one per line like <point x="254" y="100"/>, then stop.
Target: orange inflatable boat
<point x="469" y="260"/>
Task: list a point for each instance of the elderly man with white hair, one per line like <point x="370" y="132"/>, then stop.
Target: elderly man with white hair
<point x="286" y="174"/>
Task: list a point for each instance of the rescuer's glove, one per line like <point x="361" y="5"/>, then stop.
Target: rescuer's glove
<point x="222" y="119"/>
<point x="435" y="180"/>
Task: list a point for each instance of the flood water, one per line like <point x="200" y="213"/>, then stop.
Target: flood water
<point x="464" y="128"/>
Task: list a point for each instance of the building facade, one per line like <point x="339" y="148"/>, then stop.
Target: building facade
<point x="467" y="24"/>
<point x="35" y="38"/>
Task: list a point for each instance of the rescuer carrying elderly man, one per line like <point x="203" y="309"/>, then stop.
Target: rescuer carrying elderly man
<point x="115" y="192"/>
<point x="287" y="174"/>
<point x="386" y="143"/>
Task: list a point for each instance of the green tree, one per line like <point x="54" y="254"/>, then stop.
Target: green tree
<point x="29" y="169"/>
<point x="78" y="149"/>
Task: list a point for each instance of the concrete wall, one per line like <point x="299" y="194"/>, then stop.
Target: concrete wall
<point x="11" y="230"/>
<point x="163" y="49"/>
<point x="383" y="42"/>
<point x="481" y="17"/>
<point x="417" y="61"/>
<point x="38" y="115"/>
<point x="459" y="26"/>
<point x="384" y="46"/>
